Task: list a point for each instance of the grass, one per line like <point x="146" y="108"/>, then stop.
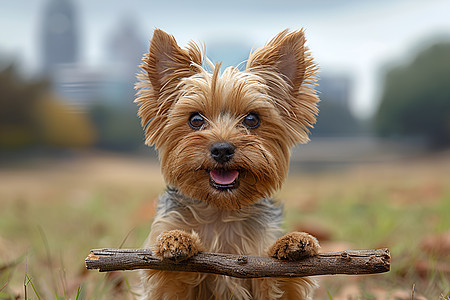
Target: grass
<point x="53" y="212"/>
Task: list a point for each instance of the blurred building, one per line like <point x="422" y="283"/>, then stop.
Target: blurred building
<point x="335" y="88"/>
<point x="110" y="83"/>
<point x="125" y="48"/>
<point x="60" y="54"/>
<point x="59" y="35"/>
<point x="79" y="85"/>
<point x="123" y="52"/>
<point x="335" y="117"/>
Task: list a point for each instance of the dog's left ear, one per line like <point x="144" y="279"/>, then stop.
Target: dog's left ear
<point x="165" y="65"/>
<point x="288" y="70"/>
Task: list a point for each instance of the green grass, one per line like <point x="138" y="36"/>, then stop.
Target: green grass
<point x="54" y="212"/>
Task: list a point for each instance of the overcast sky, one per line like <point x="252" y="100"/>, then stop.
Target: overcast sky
<point x="351" y="37"/>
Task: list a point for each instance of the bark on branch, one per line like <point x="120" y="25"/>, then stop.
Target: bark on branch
<point x="348" y="262"/>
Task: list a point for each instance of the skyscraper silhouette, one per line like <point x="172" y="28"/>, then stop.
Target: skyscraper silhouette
<point x="60" y="35"/>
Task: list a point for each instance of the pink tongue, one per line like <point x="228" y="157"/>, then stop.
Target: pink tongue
<point x="223" y="177"/>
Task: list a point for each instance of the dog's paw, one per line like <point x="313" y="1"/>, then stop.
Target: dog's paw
<point x="295" y="246"/>
<point x="177" y="245"/>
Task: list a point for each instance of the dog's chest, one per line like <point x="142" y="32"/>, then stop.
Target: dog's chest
<point x="251" y="230"/>
<point x="231" y="233"/>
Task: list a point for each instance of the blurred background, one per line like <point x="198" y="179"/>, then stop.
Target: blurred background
<point x="72" y="159"/>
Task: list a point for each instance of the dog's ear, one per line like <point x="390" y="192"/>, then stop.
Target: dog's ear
<point x="289" y="71"/>
<point x="167" y="63"/>
<point x="162" y="69"/>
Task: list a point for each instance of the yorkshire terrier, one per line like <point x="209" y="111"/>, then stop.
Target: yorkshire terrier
<point x="224" y="142"/>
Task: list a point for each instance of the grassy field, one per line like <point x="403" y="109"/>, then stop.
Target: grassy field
<point x="54" y="211"/>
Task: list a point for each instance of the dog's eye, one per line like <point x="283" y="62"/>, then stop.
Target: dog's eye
<point x="196" y="121"/>
<point x="251" y="120"/>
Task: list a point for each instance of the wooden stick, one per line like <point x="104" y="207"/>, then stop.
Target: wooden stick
<point x="348" y="262"/>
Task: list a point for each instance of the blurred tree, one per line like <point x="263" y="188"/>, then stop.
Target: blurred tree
<point x="17" y="107"/>
<point x="30" y="115"/>
<point x="61" y="127"/>
<point x="118" y="127"/>
<point x="416" y="98"/>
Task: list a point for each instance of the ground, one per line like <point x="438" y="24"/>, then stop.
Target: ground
<point x="54" y="210"/>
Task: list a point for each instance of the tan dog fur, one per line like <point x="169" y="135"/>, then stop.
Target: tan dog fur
<point x="224" y="142"/>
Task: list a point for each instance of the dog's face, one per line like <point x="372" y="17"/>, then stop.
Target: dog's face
<point x="226" y="139"/>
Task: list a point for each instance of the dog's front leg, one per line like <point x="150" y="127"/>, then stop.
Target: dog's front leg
<point x="177" y="245"/>
<point x="174" y="245"/>
<point x="295" y="246"/>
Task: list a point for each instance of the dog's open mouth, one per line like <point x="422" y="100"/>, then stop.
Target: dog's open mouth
<point x="223" y="179"/>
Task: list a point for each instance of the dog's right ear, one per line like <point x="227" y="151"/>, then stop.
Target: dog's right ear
<point x="162" y="69"/>
<point x="167" y="62"/>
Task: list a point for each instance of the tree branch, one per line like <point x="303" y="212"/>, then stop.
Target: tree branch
<point x="348" y="262"/>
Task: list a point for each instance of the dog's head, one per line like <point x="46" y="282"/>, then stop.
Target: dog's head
<point x="226" y="138"/>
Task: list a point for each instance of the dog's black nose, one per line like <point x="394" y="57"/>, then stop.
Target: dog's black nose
<point x="222" y="152"/>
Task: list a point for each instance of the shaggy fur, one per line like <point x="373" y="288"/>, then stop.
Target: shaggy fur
<point x="224" y="142"/>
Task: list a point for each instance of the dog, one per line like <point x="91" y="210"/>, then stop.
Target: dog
<point x="224" y="142"/>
